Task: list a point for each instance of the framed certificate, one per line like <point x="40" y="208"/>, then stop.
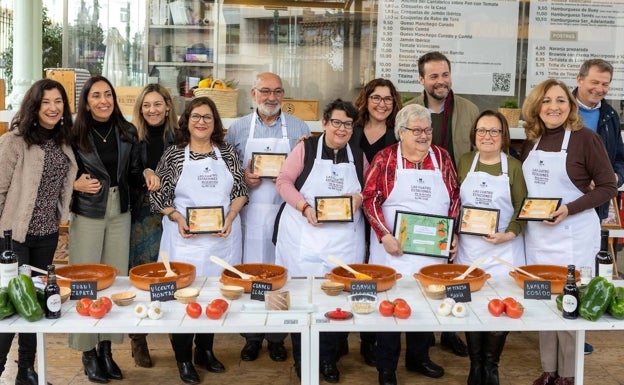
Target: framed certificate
<point x="424" y="234"/>
<point x="267" y="164"/>
<point x="538" y="209"/>
<point x="478" y="220"/>
<point x="208" y="219"/>
<point x="334" y="209"/>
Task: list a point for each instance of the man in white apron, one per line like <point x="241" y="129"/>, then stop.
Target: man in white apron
<point x="266" y="130"/>
<point x="481" y="184"/>
<point x="192" y="191"/>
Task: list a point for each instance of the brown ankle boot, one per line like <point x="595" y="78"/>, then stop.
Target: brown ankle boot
<point x="140" y="351"/>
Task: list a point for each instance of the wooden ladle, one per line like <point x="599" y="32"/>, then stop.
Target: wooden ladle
<point x="357" y="274"/>
<point x="477" y="262"/>
<point x="165" y="260"/>
<point x="509" y="264"/>
<point x="227" y="266"/>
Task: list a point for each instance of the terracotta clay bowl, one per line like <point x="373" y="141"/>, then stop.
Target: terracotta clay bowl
<point x="143" y="276"/>
<point x="264" y="272"/>
<point x="553" y="273"/>
<point x="103" y="274"/>
<point x="385" y="276"/>
<point x="444" y="274"/>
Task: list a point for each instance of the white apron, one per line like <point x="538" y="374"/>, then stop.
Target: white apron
<point x="417" y="191"/>
<point x="303" y="248"/>
<point x="484" y="190"/>
<point x="576" y="239"/>
<point x="258" y="216"/>
<point x="205" y="182"/>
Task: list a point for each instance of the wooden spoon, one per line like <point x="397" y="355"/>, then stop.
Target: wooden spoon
<point x="517" y="268"/>
<point x="358" y="275"/>
<point x="477" y="262"/>
<point x="38" y="270"/>
<point x="227" y="266"/>
<point x="165" y="260"/>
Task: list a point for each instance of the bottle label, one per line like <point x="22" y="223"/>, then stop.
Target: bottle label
<point x="570" y="303"/>
<point x="606" y="270"/>
<point x="8" y="271"/>
<point x="53" y="303"/>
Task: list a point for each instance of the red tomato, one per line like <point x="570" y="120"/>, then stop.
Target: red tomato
<point x="386" y="308"/>
<point x="515" y="310"/>
<point x="82" y="306"/>
<point x="496" y="307"/>
<point x="399" y="300"/>
<point x="106" y="302"/>
<point x="214" y="311"/>
<point x="223" y="304"/>
<point x="402" y="310"/>
<point x="193" y="309"/>
<point x="97" y="309"/>
<point x="509" y="301"/>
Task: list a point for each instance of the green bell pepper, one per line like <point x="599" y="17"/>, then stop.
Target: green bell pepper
<point x="23" y="296"/>
<point x="600" y="292"/>
<point x="616" y="307"/>
<point x="6" y="307"/>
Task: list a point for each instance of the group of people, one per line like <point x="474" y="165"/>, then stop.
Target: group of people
<point x="128" y="185"/>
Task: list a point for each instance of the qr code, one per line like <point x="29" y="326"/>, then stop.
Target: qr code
<point x="501" y="81"/>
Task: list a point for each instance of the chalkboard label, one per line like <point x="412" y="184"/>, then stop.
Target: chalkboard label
<point x="258" y="289"/>
<point x="163" y="291"/>
<point x="459" y="292"/>
<point x="537" y="289"/>
<point x="83" y="289"/>
<point x="364" y="287"/>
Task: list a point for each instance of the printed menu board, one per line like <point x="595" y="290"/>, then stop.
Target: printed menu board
<point x="562" y="35"/>
<point x="478" y="37"/>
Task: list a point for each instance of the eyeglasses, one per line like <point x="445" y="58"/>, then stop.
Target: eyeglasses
<point x="196" y="117"/>
<point x="377" y="99"/>
<point x="278" y="92"/>
<point x="417" y="131"/>
<point x="494" y="132"/>
<point x="336" y="123"/>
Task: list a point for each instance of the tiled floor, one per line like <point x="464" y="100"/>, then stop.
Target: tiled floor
<point x="519" y="364"/>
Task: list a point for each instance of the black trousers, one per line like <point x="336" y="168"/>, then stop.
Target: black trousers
<point x="182" y="344"/>
<point x="38" y="252"/>
<point x="330" y="346"/>
<point x="389" y="348"/>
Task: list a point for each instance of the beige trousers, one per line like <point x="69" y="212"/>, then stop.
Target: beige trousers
<point x="100" y="240"/>
<point x="557" y="352"/>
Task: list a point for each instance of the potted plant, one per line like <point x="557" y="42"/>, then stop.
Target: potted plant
<point x="509" y="108"/>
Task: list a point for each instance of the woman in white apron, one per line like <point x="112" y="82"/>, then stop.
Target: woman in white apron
<point x="321" y="166"/>
<point x="562" y="159"/>
<point x="412" y="176"/>
<point x="201" y="170"/>
<point x="490" y="178"/>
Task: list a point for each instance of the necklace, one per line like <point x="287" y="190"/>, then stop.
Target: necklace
<point x="103" y="137"/>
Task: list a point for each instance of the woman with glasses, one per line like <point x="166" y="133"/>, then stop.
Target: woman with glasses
<point x="492" y="179"/>
<point x="322" y="166"/>
<point x="200" y="170"/>
<point x="377" y="105"/>
<point x="415" y="176"/>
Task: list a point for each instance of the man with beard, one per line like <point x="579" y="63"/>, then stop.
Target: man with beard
<point x="451" y="115"/>
<point x="266" y="130"/>
<point x="451" y="118"/>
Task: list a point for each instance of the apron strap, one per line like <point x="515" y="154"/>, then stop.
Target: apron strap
<point x="504" y="165"/>
<point x="564" y="144"/>
<point x="252" y="125"/>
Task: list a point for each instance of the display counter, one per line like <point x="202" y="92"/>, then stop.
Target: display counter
<point x="307" y="316"/>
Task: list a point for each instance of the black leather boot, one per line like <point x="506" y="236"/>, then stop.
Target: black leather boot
<point x="26" y="376"/>
<point x="492" y="350"/>
<point x="92" y="367"/>
<point x="474" y="342"/>
<point x="188" y="374"/>
<point x="140" y="351"/>
<point x="105" y="355"/>
<point x="207" y="358"/>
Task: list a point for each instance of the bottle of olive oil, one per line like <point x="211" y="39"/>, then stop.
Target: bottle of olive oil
<point x="604" y="259"/>
<point x="570" y="296"/>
